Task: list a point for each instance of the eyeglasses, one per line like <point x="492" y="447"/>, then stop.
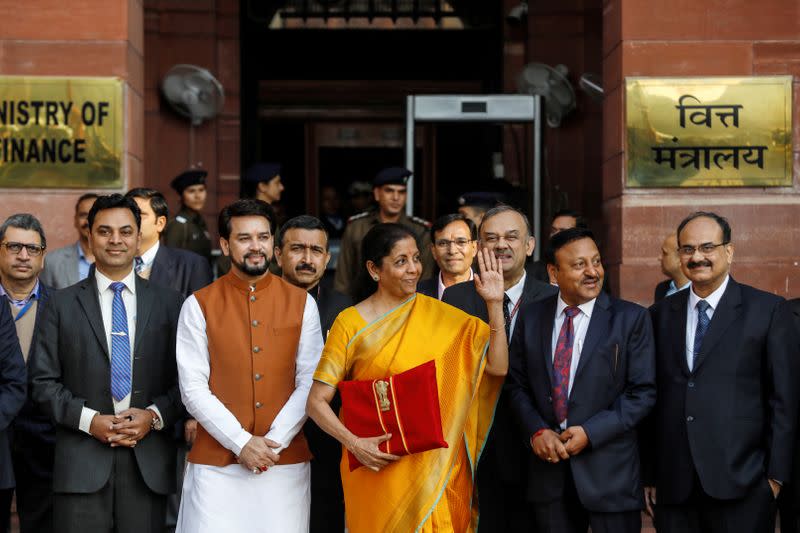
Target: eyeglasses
<point x="705" y="248"/>
<point x="16" y="247"/>
<point x="444" y="244"/>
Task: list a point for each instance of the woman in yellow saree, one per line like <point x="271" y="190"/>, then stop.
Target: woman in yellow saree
<point x="391" y="331"/>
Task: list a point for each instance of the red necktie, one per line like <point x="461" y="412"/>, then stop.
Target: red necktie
<point x="561" y="364"/>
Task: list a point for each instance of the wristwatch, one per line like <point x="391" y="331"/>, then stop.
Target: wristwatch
<point x="156" y="423"/>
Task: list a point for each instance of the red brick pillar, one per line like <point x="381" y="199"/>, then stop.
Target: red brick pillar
<point x="78" y="38"/>
<point x="690" y="38"/>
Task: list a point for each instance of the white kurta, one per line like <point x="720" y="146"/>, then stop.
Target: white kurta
<point x="232" y="498"/>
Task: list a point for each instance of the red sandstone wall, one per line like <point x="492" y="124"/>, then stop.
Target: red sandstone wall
<point x="690" y="38"/>
<point x="79" y="38"/>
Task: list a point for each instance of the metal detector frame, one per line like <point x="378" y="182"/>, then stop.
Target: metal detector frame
<point x="479" y="108"/>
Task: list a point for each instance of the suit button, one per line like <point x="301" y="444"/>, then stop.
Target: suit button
<point x="691" y="384"/>
<point x="256" y="349"/>
<point x="252" y="298"/>
<point x="689" y="418"/>
<point x="255" y="323"/>
<point x="257" y="377"/>
<point x="258" y="405"/>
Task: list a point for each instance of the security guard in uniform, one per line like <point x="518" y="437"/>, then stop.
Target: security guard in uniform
<point x="188" y="230"/>
<point x="389" y="190"/>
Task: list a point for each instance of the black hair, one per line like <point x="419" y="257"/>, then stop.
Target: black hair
<point x="301" y="222"/>
<point x="721" y="221"/>
<point x="563" y="238"/>
<point x="24" y="221"/>
<point x="87" y="196"/>
<point x="505" y="208"/>
<point x="115" y="201"/>
<point x="157" y="201"/>
<point x="244" y="208"/>
<point x="376" y="245"/>
<point x="580" y="222"/>
<point x="445" y="220"/>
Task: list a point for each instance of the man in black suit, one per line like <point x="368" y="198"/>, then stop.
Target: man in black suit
<point x="582" y="376"/>
<point x="301" y="251"/>
<point x="722" y="434"/>
<point x="178" y="269"/>
<point x="501" y="480"/>
<point x="103" y="368"/>
<point x="670" y="267"/>
<point x="454" y="244"/>
<point x="12" y="398"/>
<point x="33" y="444"/>
<point x="789" y="497"/>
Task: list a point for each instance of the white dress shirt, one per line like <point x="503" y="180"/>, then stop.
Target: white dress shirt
<point x="106" y="297"/>
<point x="194" y="371"/>
<point x="580" y="325"/>
<point x="691" y="316"/>
<point x="514" y="293"/>
<point x="149" y="256"/>
<point x="441" y="282"/>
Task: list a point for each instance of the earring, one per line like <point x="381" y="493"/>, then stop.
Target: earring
<point x="375" y="278"/>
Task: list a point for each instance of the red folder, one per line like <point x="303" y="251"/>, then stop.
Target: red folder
<point x="405" y="405"/>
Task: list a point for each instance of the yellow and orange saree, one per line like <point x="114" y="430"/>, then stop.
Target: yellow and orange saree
<point x="431" y="491"/>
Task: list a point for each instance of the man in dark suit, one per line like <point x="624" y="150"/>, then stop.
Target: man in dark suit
<point x="582" y="376"/>
<point x="103" y="368"/>
<point x="33" y="444"/>
<point x="68" y="265"/>
<point x="789" y="497"/>
<point x="722" y="434"/>
<point x="454" y="244"/>
<point x="301" y="251"/>
<point x="501" y="476"/>
<point x="670" y="267"/>
<point x="12" y="397"/>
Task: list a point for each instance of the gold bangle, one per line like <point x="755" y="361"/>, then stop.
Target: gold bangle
<point x="494" y="330"/>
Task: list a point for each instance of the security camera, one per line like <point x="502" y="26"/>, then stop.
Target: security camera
<point x="517" y="14"/>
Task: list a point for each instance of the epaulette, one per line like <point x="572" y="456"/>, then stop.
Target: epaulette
<point x="181" y="219"/>
<point x="359" y="216"/>
<point x="421" y="221"/>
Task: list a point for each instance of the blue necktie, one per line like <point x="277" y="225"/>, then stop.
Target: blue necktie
<point x="702" y="327"/>
<point x="138" y="264"/>
<point x="120" y="346"/>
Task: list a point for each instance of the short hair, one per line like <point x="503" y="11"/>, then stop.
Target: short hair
<point x="505" y="208"/>
<point x="115" y="201"/>
<point x="580" y="222"/>
<point x="445" y="220"/>
<point x="244" y="208"/>
<point x="87" y="196"/>
<point x="24" y="221"/>
<point x="376" y="245"/>
<point x="157" y="201"/>
<point x="721" y="221"/>
<point x="307" y="222"/>
<point x="563" y="238"/>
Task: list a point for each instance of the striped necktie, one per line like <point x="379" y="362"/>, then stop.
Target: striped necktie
<point x="561" y="364"/>
<point x="702" y="327"/>
<point x="120" y="346"/>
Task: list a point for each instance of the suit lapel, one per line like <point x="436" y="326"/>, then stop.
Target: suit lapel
<point x="144" y="303"/>
<point x="546" y="324"/>
<point x="599" y="327"/>
<point x="89" y="301"/>
<point x="162" y="267"/>
<point x="724" y="315"/>
<point x="677" y="322"/>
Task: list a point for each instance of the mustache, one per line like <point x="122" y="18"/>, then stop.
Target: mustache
<point x="696" y="264"/>
<point x="305" y="267"/>
<point x="248" y="255"/>
<point x="596" y="279"/>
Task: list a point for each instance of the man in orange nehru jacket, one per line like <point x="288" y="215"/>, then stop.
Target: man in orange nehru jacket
<point x="247" y="348"/>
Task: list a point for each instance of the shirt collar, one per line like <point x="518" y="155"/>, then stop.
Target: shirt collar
<point x="34" y="294"/>
<point x="441" y="286"/>
<point x="103" y="282"/>
<point x="81" y="255"/>
<point x="674" y="288"/>
<point x="150" y="255"/>
<point x="515" y="292"/>
<point x="712" y="299"/>
<point x="586" y="308"/>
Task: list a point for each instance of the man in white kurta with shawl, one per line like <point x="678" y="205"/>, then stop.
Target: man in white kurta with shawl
<point x="247" y="347"/>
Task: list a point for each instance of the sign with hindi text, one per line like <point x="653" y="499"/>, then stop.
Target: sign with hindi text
<point x="709" y="132"/>
<point x="61" y="132"/>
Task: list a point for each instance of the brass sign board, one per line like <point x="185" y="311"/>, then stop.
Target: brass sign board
<point x="709" y="132"/>
<point x="61" y="132"/>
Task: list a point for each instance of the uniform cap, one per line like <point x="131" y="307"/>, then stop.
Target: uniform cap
<point x="261" y="172"/>
<point x="187" y="178"/>
<point x="359" y="187"/>
<point x="481" y="199"/>
<point x="391" y="176"/>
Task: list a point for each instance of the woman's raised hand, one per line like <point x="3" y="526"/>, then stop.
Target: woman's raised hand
<point x="489" y="283"/>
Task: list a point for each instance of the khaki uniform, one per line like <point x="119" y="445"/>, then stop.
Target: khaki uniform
<point x="349" y="264"/>
<point x="188" y="230"/>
